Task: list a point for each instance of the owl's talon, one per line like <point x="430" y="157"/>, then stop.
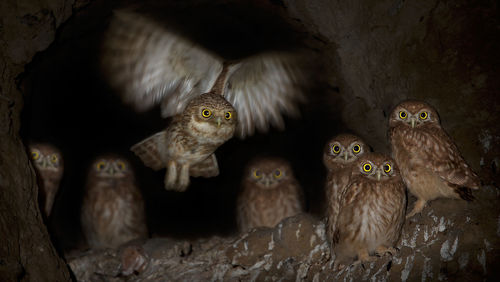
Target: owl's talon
<point x="382" y="251"/>
<point x="417" y="208"/>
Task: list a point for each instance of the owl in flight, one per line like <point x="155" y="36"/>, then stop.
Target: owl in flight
<point x="210" y="99"/>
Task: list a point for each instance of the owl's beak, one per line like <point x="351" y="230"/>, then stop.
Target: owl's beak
<point x="378" y="175"/>
<point x="219" y="121"/>
<point x="346" y="156"/>
<point x="412" y="123"/>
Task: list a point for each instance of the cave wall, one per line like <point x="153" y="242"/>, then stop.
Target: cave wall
<point x="26" y="253"/>
<point x="443" y="52"/>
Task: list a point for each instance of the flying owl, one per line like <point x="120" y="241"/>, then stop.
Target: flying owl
<point x="270" y="193"/>
<point x="339" y="156"/>
<point x="149" y="65"/>
<point x="430" y="163"/>
<point x="49" y="168"/>
<point x="113" y="208"/>
<point x="372" y="211"/>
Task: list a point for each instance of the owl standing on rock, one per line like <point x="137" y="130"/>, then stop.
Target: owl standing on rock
<point x="113" y="208"/>
<point x="430" y="163"/>
<point x="372" y="211"/>
<point x="340" y="155"/>
<point x="49" y="167"/>
<point x="270" y="193"/>
<point x="209" y="98"/>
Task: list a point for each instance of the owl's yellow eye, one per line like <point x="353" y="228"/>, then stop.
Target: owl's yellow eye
<point x="387" y="168"/>
<point x="121" y="165"/>
<point x="277" y="173"/>
<point x="336" y="149"/>
<point x="367" y="167"/>
<point x="228" y="115"/>
<point x="356" y="149"/>
<point x="423" y="115"/>
<point x="403" y="115"/>
<point x="100" y="165"/>
<point x="206" y="113"/>
<point x="35" y="155"/>
<point x="257" y="174"/>
<point x="54" y="158"/>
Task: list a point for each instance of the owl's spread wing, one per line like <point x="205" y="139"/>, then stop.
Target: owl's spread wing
<point x="450" y="165"/>
<point x="263" y="87"/>
<point x="205" y="168"/>
<point x="150" y="149"/>
<point x="149" y="64"/>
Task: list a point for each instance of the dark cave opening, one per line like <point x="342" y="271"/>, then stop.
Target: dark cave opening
<point x="68" y="104"/>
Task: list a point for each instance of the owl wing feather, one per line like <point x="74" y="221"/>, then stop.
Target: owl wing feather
<point x="148" y="150"/>
<point x="451" y="166"/>
<point x="206" y="168"/>
<point x="149" y="65"/>
<point x="263" y="87"/>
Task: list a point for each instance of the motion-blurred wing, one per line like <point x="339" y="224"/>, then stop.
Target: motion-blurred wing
<point x="149" y="64"/>
<point x="262" y="88"/>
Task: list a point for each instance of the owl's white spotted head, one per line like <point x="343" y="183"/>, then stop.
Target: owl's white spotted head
<point x="343" y="149"/>
<point x="414" y="114"/>
<point x="268" y="173"/>
<point x="212" y="117"/>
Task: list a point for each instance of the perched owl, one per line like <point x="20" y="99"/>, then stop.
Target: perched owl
<point x="340" y="155"/>
<point x="270" y="193"/>
<point x="372" y="210"/>
<point x="430" y="163"/>
<point x="113" y="208"/>
<point x="149" y="64"/>
<point x="49" y="168"/>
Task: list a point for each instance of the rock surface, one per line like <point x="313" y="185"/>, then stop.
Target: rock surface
<point x="450" y="240"/>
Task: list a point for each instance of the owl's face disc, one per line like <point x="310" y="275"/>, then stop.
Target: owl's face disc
<point x="377" y="167"/>
<point x="111" y="168"/>
<point x="414" y="114"/>
<point x="344" y="149"/>
<point x="268" y="173"/>
<point x="211" y="117"/>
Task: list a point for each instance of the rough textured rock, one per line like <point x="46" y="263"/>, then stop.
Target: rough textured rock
<point x="26" y="252"/>
<point x="450" y="240"/>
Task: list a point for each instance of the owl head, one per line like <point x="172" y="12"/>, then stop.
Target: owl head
<point x="46" y="158"/>
<point x="343" y="150"/>
<point x="376" y="166"/>
<point x="211" y="115"/>
<point x="268" y="173"/>
<point x="414" y="114"/>
<point x="111" y="167"/>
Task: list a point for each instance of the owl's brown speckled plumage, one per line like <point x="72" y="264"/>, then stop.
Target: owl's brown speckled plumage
<point x="270" y="193"/>
<point x="186" y="147"/>
<point x="339" y="156"/>
<point x="49" y="168"/>
<point x="112" y="209"/>
<point x="430" y="163"/>
<point x="372" y="210"/>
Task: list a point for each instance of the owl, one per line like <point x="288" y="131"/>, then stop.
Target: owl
<point x="372" y="210"/>
<point x="340" y="155"/>
<point x="49" y="168"/>
<point x="112" y="208"/>
<point x="186" y="147"/>
<point x="430" y="163"/>
<point x="148" y="64"/>
<point x="269" y="194"/>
